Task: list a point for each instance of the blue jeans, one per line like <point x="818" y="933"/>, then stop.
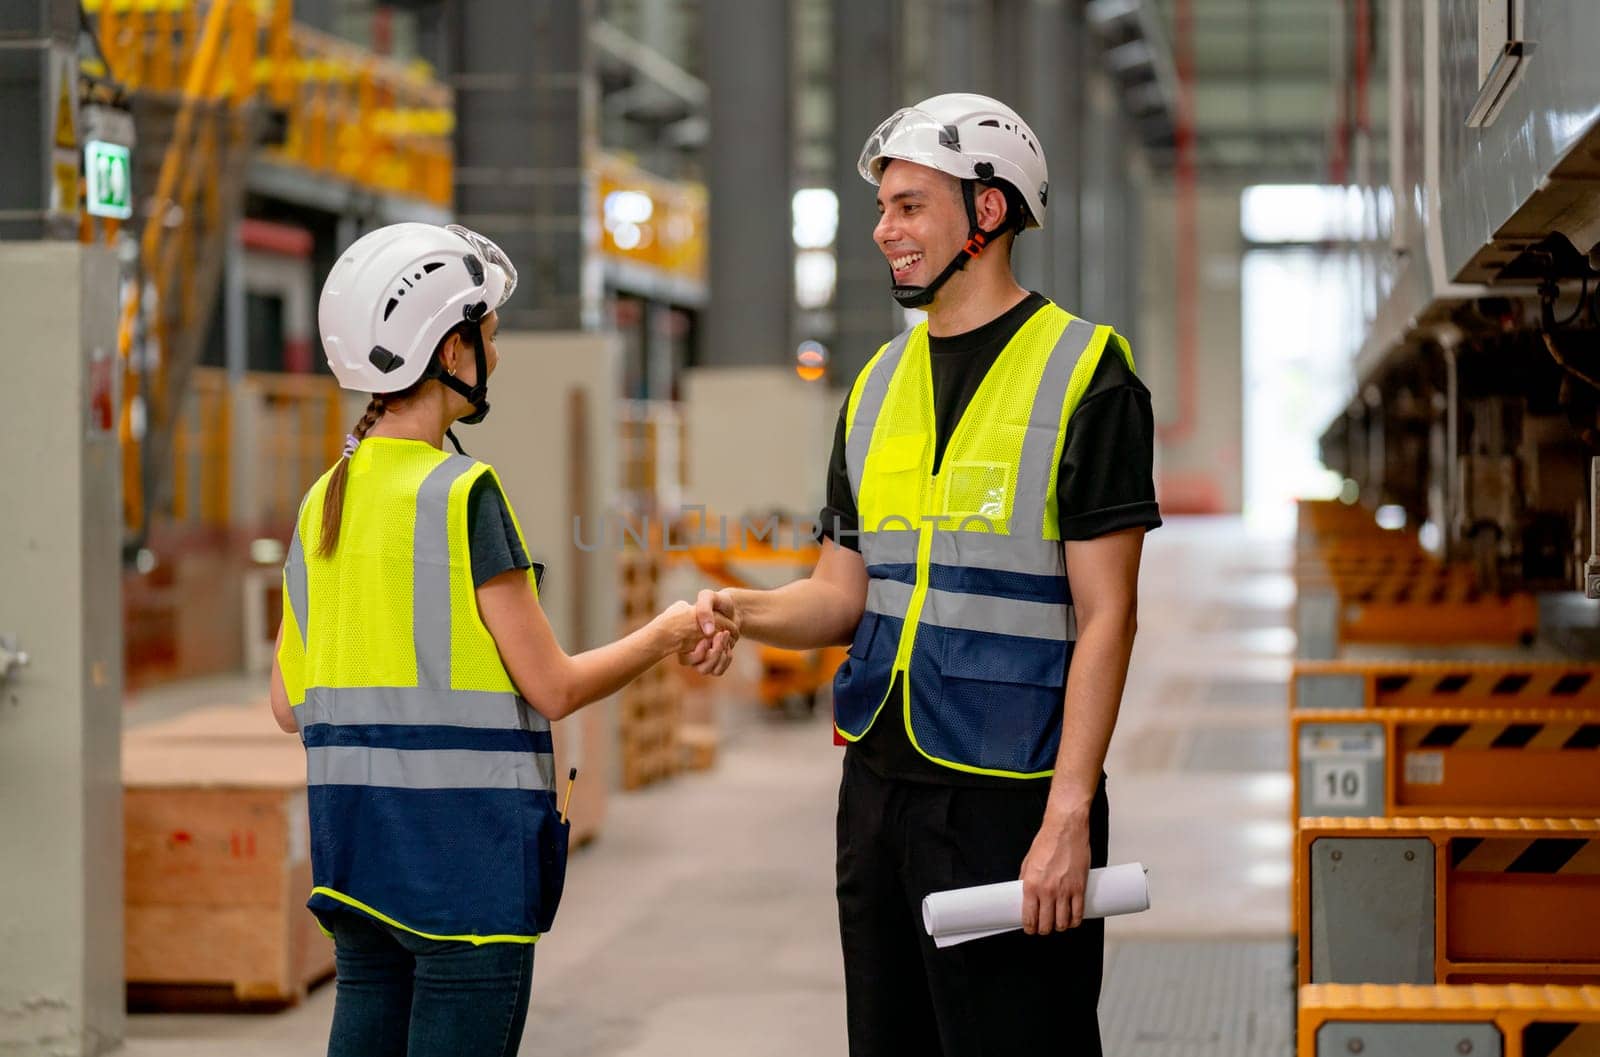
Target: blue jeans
<point x="400" y="995"/>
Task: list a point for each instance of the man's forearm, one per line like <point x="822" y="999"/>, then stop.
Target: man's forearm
<point x="1094" y="694"/>
<point x="803" y="615"/>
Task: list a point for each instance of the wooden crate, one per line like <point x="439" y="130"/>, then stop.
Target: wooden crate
<point x="698" y="745"/>
<point x="651" y="710"/>
<point x="217" y="854"/>
<point x="651" y="704"/>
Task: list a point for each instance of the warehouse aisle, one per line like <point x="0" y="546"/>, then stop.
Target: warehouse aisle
<point x="702" y="923"/>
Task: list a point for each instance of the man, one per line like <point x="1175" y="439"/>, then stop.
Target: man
<point x="983" y="461"/>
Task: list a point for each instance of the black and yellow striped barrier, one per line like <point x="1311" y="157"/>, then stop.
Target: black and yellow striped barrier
<point x="1448" y="900"/>
<point x="1478" y="1021"/>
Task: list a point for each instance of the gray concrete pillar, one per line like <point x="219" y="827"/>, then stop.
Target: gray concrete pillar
<point x="1051" y="100"/>
<point x="960" y="55"/>
<point x="1096" y="202"/>
<point x="39" y="174"/>
<point x="1032" y="89"/>
<point x="749" y="170"/>
<point x="525" y="117"/>
<point x="61" y="979"/>
<point x="1009" y="55"/>
<point x="867" y="56"/>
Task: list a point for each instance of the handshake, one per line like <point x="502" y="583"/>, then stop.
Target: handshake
<point x="703" y="633"/>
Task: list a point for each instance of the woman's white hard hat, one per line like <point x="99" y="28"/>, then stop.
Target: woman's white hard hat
<point x="396" y="292"/>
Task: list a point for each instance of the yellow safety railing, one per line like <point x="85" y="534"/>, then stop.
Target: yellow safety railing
<point x="150" y="46"/>
<point x="349" y="115"/>
<point x="378" y="123"/>
<point x="290" y="428"/>
<point x="366" y="119"/>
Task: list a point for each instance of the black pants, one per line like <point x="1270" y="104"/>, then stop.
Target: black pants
<point x="1005" y="995"/>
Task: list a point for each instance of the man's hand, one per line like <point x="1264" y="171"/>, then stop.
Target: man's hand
<point x="1055" y="873"/>
<point x="714" y="653"/>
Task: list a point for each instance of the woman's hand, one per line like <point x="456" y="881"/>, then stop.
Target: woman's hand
<point x="683" y="632"/>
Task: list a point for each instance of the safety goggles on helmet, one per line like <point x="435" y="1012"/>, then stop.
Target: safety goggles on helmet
<point x="916" y="136"/>
<point x="489" y="254"/>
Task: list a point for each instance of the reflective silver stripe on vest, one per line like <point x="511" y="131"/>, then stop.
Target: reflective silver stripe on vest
<point x="294" y="577"/>
<point x="980" y="613"/>
<point x="998" y="616"/>
<point x="894" y="547"/>
<point x="1038" y="465"/>
<point x="429" y="768"/>
<point x="873" y="392"/>
<point x="381" y="705"/>
<point x="987" y="550"/>
<point x="430" y="606"/>
<point x="888" y="597"/>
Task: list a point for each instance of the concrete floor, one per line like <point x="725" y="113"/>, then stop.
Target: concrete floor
<point x="702" y="922"/>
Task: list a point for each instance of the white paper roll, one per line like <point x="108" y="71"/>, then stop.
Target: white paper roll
<point x="963" y="914"/>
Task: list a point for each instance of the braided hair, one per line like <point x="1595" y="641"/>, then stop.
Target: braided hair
<point x="333" y="501"/>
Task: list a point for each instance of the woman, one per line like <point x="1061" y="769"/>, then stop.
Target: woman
<point x="421" y="674"/>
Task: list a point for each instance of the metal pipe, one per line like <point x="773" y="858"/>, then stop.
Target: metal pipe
<point x="1591" y="568"/>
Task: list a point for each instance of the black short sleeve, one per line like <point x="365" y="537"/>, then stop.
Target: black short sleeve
<point x="491" y="534"/>
<point x="839" y="519"/>
<point x="1105" y="482"/>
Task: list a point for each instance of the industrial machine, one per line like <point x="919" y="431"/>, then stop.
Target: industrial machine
<point x="1477" y="400"/>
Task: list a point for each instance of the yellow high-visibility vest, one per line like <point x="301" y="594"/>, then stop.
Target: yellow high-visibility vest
<point x="967" y="597"/>
<point x="431" y="783"/>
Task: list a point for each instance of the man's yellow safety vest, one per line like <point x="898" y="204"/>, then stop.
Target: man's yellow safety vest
<point x="431" y="783"/>
<point x="968" y="597"/>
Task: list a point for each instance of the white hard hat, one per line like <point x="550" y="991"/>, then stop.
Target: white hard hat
<point x="396" y="292"/>
<point x="970" y="137"/>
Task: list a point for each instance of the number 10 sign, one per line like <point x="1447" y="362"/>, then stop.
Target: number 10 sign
<point x="1341" y="769"/>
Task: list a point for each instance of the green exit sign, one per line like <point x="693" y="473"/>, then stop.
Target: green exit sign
<point x="110" y="179"/>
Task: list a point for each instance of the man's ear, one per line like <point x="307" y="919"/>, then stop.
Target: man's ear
<point x="450" y="353"/>
<point x="991" y="207"/>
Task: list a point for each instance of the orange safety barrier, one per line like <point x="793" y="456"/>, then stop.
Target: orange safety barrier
<point x="1493" y="762"/>
<point x="1489" y="621"/>
<point x="1337" y="1020"/>
<point x="1445" y="684"/>
<point x="1386" y="589"/>
<point x="1448" y="900"/>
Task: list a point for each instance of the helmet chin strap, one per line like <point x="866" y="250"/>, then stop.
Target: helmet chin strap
<point x="476" y="395"/>
<point x="977" y="239"/>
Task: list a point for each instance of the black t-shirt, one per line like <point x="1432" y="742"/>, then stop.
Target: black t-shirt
<point x="491" y="534"/>
<point x="1104" y="483"/>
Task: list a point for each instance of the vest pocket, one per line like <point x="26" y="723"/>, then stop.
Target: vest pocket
<point x="552" y="843"/>
<point x="978" y="490"/>
<point x="863" y="678"/>
<point x="996" y="701"/>
<point x="891" y="485"/>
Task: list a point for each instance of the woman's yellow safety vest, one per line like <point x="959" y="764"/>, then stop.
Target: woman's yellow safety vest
<point x="431" y="783"/>
<point x="968" y="597"/>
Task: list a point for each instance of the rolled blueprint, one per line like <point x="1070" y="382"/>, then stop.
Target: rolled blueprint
<point x="963" y="914"/>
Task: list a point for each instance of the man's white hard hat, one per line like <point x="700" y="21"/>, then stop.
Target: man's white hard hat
<point x="968" y="136"/>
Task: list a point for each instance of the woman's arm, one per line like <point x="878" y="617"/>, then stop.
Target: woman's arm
<point x="282" y="711"/>
<point x="557" y="684"/>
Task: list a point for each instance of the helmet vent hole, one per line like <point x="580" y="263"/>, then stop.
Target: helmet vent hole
<point x="390" y="307"/>
<point x="431" y="267"/>
<point x="991" y="123"/>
